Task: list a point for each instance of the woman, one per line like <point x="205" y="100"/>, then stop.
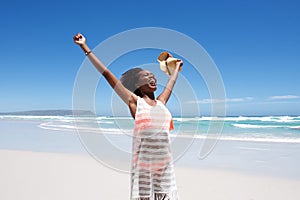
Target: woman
<point x="152" y="174"/>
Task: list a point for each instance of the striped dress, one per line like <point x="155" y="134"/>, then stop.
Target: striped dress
<point x="152" y="172"/>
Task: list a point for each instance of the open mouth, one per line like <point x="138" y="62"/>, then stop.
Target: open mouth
<point x="152" y="82"/>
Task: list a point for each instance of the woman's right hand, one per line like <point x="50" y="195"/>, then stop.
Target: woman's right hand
<point x="79" y="39"/>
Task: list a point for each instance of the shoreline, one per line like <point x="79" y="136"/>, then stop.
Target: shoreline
<point x="265" y="158"/>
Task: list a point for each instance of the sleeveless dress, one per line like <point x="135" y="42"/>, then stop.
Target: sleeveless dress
<point x="152" y="171"/>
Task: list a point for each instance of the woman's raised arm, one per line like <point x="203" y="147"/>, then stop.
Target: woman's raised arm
<point x="165" y="95"/>
<point x="127" y="96"/>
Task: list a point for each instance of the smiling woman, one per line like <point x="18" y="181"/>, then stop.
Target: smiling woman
<point x="152" y="173"/>
<point x="135" y="78"/>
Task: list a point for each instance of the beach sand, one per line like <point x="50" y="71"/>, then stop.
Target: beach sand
<point x="30" y="175"/>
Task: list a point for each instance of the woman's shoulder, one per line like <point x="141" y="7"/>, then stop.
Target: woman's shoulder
<point x="133" y="99"/>
<point x="159" y="101"/>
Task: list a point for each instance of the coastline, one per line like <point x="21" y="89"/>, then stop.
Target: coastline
<point x="39" y="163"/>
<point x="277" y="159"/>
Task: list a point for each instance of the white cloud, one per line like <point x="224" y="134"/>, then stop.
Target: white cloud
<point x="240" y="99"/>
<point x="210" y="101"/>
<point x="284" y="97"/>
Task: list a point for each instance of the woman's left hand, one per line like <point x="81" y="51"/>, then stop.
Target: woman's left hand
<point x="179" y="63"/>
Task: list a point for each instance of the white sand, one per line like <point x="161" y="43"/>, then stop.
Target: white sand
<point x="28" y="175"/>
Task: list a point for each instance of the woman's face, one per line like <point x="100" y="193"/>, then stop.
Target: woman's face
<point x="147" y="81"/>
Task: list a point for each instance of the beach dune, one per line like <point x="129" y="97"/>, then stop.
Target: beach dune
<point x="30" y="175"/>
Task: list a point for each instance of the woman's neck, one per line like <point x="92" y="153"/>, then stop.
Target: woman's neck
<point x="149" y="96"/>
<point x="150" y="100"/>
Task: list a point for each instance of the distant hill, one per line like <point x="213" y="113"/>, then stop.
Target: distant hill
<point x="51" y="113"/>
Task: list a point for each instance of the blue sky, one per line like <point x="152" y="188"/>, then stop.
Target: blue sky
<point x="255" y="45"/>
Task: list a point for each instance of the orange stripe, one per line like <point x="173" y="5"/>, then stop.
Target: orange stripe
<point x="139" y="121"/>
<point x="171" y="125"/>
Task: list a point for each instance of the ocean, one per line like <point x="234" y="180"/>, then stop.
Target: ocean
<point x="266" y="144"/>
<point x="260" y="129"/>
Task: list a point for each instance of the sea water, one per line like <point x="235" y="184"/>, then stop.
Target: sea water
<point x="240" y="128"/>
<point x="265" y="144"/>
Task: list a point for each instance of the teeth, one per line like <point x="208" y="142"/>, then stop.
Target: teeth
<point x="152" y="82"/>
